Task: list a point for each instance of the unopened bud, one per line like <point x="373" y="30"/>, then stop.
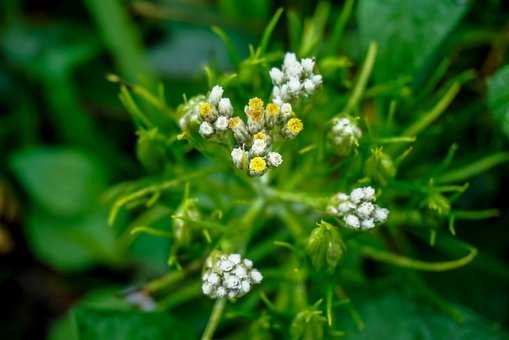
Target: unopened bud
<point x="325" y="247"/>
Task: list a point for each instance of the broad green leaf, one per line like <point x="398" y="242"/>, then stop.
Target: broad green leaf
<point x="71" y="244"/>
<point x="409" y="32"/>
<point x="498" y="98"/>
<point x="63" y="181"/>
<point x="394" y="316"/>
<point x="104" y="324"/>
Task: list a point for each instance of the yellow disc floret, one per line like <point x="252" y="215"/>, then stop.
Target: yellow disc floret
<point x="294" y="126"/>
<point x="272" y="109"/>
<point x="260" y="135"/>
<point x="257" y="165"/>
<point x="234" y="122"/>
<point x="206" y="110"/>
<point x="255" y="103"/>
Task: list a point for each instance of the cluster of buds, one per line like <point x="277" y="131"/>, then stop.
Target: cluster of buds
<point x="254" y="138"/>
<point x="344" y="135"/>
<point x="214" y="113"/>
<point x="229" y="276"/>
<point x="358" y="209"/>
<point x="294" y="80"/>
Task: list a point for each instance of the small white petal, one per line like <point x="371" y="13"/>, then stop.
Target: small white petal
<point x="352" y="221"/>
<point x="309" y="86"/>
<point x="381" y="214"/>
<point x="276" y="75"/>
<point x="286" y="108"/>
<point x="308" y="64"/>
<point x="215" y="94"/>
<point x="206" y="288"/>
<point x="234" y="258"/>
<point x="367" y="224"/>
<point x="225" y="107"/>
<point x="245" y="286"/>
<point x="221" y="123"/>
<point x="274" y="159"/>
<point x="317" y="79"/>
<point x="256" y="276"/>
<point x="206" y="129"/>
<point x="248" y="263"/>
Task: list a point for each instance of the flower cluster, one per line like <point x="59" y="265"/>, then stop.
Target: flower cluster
<point x="214" y="113"/>
<point x="294" y="79"/>
<point x="229" y="276"/>
<point x="254" y="138"/>
<point x="344" y="135"/>
<point x="358" y="209"/>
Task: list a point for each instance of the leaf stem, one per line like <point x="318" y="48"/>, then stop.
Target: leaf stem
<point x="214" y="319"/>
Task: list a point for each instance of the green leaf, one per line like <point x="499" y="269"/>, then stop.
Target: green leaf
<point x="104" y="324"/>
<point x="71" y="244"/>
<point x="63" y="181"/>
<point x="394" y="316"/>
<point x="409" y="32"/>
<point x="498" y="98"/>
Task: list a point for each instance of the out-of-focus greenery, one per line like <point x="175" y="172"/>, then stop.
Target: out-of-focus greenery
<point x="428" y="80"/>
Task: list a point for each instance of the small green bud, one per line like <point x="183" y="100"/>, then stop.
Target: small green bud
<point x="379" y="167"/>
<point x="308" y="324"/>
<point x="438" y="204"/>
<point x="150" y="150"/>
<point x="325" y="247"/>
<point x="189" y="118"/>
<point x="183" y="228"/>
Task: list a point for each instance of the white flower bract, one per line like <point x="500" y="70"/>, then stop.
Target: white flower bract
<point x="358" y="209"/>
<point x="228" y="275"/>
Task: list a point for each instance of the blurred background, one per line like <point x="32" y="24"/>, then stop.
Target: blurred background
<point x="65" y="138"/>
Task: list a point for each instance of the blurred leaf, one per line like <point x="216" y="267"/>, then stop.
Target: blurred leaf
<point x="394" y="316"/>
<point x="498" y="98"/>
<point x="64" y="181"/>
<point x="100" y="324"/>
<point x="409" y="32"/>
<point x="70" y="244"/>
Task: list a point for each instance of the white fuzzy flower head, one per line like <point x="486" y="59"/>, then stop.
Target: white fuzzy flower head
<point x="358" y="209"/>
<point x="221" y="123"/>
<point x="258" y="148"/>
<point x="238" y="155"/>
<point x="276" y="75"/>
<point x="206" y="129"/>
<point x="225" y="107"/>
<point x="308" y="64"/>
<point x="274" y="159"/>
<point x="215" y="94"/>
<point x="229" y="275"/>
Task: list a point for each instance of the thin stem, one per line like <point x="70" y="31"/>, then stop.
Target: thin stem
<point x="405" y="262"/>
<point x="360" y="86"/>
<point x="474" y="168"/>
<point x="214" y="319"/>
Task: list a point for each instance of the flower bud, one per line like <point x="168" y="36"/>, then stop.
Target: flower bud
<point x="325" y="247"/>
<point x="438" y="204"/>
<point x="344" y="135"/>
<point x="183" y="228"/>
<point x="379" y="167"/>
<point x="308" y="324"/>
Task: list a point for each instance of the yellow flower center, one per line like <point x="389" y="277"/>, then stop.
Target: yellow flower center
<point x="257" y="164"/>
<point x="295" y="126"/>
<point x="234" y="122"/>
<point x="205" y="109"/>
<point x="255" y="114"/>
<point x="260" y="135"/>
<point x="255" y="103"/>
<point x="272" y="109"/>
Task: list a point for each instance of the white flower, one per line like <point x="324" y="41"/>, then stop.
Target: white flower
<point x="290" y="59"/>
<point x="225" y="107"/>
<point x="352" y="221"/>
<point x="309" y="86"/>
<point x="276" y="75"/>
<point x="294" y="85"/>
<point x="258" y="148"/>
<point x="317" y="79"/>
<point x="357" y="195"/>
<point x="381" y="214"/>
<point x="345" y="207"/>
<point x="206" y="129"/>
<point x="221" y="123"/>
<point x="368" y="224"/>
<point x="286" y="108"/>
<point x="369" y="193"/>
<point x="238" y="157"/>
<point x="229" y="276"/>
<point x="215" y="94"/>
<point x="365" y="209"/>
<point x="256" y="276"/>
<point x="308" y="64"/>
<point x="274" y="159"/>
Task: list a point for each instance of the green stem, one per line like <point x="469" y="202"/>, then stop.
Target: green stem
<point x="360" y="85"/>
<point x="405" y="262"/>
<point x="217" y="311"/>
<point x="474" y="168"/>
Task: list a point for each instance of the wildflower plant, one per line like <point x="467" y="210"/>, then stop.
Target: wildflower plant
<point x="277" y="165"/>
